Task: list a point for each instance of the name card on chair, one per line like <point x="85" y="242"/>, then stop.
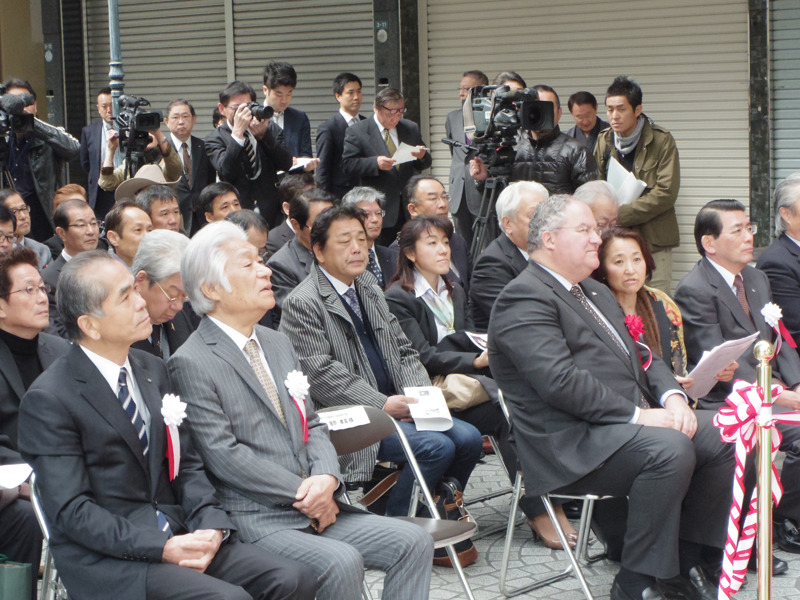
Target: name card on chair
<point x="345" y="418"/>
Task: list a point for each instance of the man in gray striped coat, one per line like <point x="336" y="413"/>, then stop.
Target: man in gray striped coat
<point x="267" y="452"/>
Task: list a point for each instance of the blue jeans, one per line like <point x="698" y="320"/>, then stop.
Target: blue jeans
<point x="453" y="452"/>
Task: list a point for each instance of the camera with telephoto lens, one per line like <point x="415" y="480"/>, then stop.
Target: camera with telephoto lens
<point x="261" y="112"/>
<point x="494" y="118"/>
<point x="134" y="122"/>
<point x="12" y="114"/>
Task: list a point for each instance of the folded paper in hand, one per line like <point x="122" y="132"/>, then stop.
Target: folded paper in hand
<point x="11" y="476"/>
<point x="628" y="188"/>
<point x="715" y="360"/>
<point x="430" y="412"/>
<point x="403" y="154"/>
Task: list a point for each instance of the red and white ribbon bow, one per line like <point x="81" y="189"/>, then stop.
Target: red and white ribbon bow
<point x="174" y="412"/>
<point x="297" y="385"/>
<point x="737" y="424"/>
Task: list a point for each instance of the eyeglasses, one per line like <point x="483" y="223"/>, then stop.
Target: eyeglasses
<point x="394" y="111"/>
<point x="374" y="213"/>
<point x="32" y="289"/>
<point x="583" y="229"/>
<point x="180" y="299"/>
<point x="464" y="88"/>
<point x="752" y="229"/>
<point x="22" y="209"/>
<point x="8" y="239"/>
<point x="85" y="224"/>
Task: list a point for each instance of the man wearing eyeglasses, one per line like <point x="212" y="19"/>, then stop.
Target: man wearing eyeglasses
<point x="157" y="278"/>
<point x="25" y="352"/>
<point x="721" y="299"/>
<point x="22" y="213"/>
<point x="368" y="149"/>
<point x="78" y="228"/>
<point x="8" y="224"/>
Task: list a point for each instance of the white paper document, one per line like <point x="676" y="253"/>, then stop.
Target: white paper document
<point x="345" y="418"/>
<point x="12" y="476"/>
<point x="481" y="340"/>
<point x="430" y="412"/>
<point x="713" y="361"/>
<point x="628" y="188"/>
<point x="403" y="154"/>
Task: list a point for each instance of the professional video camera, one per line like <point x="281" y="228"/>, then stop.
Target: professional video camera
<point x="12" y="114"/>
<point x="134" y="122"/>
<point x="261" y="112"/>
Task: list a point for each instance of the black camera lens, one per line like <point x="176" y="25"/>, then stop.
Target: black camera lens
<point x="262" y="113"/>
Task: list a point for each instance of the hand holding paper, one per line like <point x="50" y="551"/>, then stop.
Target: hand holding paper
<point x="406" y="153"/>
<point x="430" y="412"/>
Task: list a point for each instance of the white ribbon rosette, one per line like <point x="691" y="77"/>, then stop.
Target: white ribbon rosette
<point x="174" y="412"/>
<point x="297" y="385"/>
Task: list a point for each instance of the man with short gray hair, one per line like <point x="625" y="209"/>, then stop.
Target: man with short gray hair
<point x="589" y="419"/>
<point x="781" y="261"/>
<point x="507" y="255"/>
<point x="600" y="196"/>
<point x="157" y="277"/>
<point x="382" y="261"/>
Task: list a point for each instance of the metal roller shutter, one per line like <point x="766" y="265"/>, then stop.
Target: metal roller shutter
<point x="320" y="38"/>
<point x="170" y="50"/>
<point x="785" y="23"/>
<point x="689" y="56"/>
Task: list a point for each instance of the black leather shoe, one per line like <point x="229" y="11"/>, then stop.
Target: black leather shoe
<point x="787" y="536"/>
<point x="779" y="567"/>
<point x="695" y="587"/>
<point x="650" y="593"/>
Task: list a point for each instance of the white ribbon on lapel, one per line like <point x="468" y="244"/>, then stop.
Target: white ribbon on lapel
<point x="174" y="412"/>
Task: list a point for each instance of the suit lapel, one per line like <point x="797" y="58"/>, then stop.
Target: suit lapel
<point x="155" y="433"/>
<point x="9" y="370"/>
<point x="279" y="366"/>
<point x="755" y="302"/>
<point x="518" y="261"/>
<point x="333" y="303"/>
<point x="726" y="295"/>
<point x="46" y="351"/>
<point x="376" y="139"/>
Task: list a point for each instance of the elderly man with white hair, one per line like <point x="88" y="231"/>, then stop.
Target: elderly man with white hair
<point x="507" y="255"/>
<point x="382" y="260"/>
<point x="157" y="272"/>
<point x="600" y="196"/>
<point x="253" y="421"/>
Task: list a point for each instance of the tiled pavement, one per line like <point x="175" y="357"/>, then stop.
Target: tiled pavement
<point x="531" y="558"/>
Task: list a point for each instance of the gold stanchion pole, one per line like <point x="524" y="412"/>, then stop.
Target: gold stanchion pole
<point x="763" y="352"/>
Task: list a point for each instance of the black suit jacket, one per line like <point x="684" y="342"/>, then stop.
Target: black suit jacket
<point x="50" y="276"/>
<point x="496" y="266"/>
<point x="11" y="386"/>
<point x="228" y="158"/>
<point x="712" y="315"/>
<point x="781" y="263"/>
<point x="296" y="132"/>
<point x="453" y="354"/>
<point x="177" y="331"/>
<point x="570" y="388"/>
<point x="363" y="143"/>
<point x="387" y="261"/>
<point x="188" y="192"/>
<point x="462" y="187"/>
<point x="290" y="265"/>
<point x="92" y="141"/>
<point x="278" y="236"/>
<point x="98" y="490"/>
<point x="330" y="145"/>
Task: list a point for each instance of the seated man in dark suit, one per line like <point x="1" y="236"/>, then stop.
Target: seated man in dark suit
<point x="246" y="154"/>
<point x="77" y="227"/>
<point x="368" y="149"/>
<point x="781" y="261"/>
<point x="272" y="461"/>
<point x="25" y="352"/>
<point x="382" y="261"/>
<point x="587" y="418"/>
<point x="330" y="136"/>
<point x="157" y="278"/>
<point x="126" y="522"/>
<point x="291" y="185"/>
<point x="22" y="213"/>
<point x="507" y="255"/>
<point x="721" y="299"/>
<point x="218" y="200"/>
<point x="292" y="263"/>
<point x="354" y="352"/>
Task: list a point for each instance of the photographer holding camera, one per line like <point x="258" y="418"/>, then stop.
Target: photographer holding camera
<point x="557" y="161"/>
<point x="245" y="152"/>
<point x="32" y="154"/>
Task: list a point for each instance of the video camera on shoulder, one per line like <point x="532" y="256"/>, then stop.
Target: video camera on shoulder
<point x="12" y="112"/>
<point x="134" y="122"/>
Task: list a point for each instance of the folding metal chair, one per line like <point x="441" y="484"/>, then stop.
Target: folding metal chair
<point x="52" y="588"/>
<point x="444" y="533"/>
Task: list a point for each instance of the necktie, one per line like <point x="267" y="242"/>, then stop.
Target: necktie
<point x="129" y="405"/>
<point x="352" y="300"/>
<point x="374" y="268"/>
<point x="263" y="377"/>
<point x="738" y="285"/>
<point x="576" y="291"/>
<point x="353" y="121"/>
<point x="389" y="142"/>
<point x="251" y="164"/>
<point x="156" y="337"/>
<point x="187" y="162"/>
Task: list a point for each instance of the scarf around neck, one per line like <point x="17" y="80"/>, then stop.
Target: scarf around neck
<point x="626" y="145"/>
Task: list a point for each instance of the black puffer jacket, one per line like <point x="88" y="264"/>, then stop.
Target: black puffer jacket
<point x="557" y="161"/>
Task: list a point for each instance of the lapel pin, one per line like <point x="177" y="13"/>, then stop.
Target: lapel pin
<point x="149" y="380"/>
<point x="594" y="293"/>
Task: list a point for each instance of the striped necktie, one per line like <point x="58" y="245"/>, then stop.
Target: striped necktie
<point x="131" y="409"/>
<point x="251" y="164"/>
<point x="254" y="355"/>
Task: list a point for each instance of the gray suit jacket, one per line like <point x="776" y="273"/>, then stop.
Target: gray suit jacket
<point x="570" y="388"/>
<point x="462" y="186"/>
<point x="290" y="265"/>
<point x="712" y="315"/>
<point x="323" y="334"/>
<point x="43" y="254"/>
<point x="254" y="461"/>
<point x="496" y="266"/>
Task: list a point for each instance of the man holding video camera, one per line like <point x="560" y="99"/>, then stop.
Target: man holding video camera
<point x="560" y="163"/>
<point x="245" y="152"/>
<point x="32" y="154"/>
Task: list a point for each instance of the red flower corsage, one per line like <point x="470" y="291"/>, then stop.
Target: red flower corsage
<point x="635" y="326"/>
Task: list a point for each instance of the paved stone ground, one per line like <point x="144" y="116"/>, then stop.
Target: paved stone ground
<point x="529" y="558"/>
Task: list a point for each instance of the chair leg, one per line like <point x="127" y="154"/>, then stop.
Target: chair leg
<point x="584" y="530"/>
